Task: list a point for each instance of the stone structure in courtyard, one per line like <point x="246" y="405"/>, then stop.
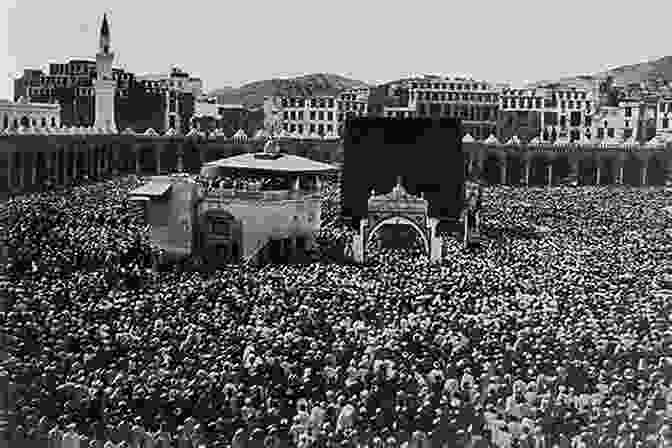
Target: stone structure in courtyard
<point x="397" y="207"/>
<point x="257" y="221"/>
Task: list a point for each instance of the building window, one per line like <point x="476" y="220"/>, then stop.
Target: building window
<point x="320" y="129"/>
<point x="600" y="133"/>
<point x="44" y="122"/>
<point x="300" y="115"/>
<point x="321" y="115"/>
<point x="312" y="115"/>
<point x="666" y="123"/>
<point x="627" y="124"/>
<point x="285" y="115"/>
<point x="285" y="126"/>
<point x="575" y="119"/>
<point x="292" y="128"/>
<point x="610" y="132"/>
<point x="292" y="115"/>
<point x="588" y="121"/>
<point x="628" y="111"/>
<point x="312" y="128"/>
<point x="330" y="116"/>
<point x="300" y="129"/>
<point x="627" y="133"/>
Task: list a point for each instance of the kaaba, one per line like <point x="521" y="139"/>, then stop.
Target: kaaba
<point x="425" y="152"/>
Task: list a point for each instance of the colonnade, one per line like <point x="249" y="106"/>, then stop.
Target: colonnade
<point x="29" y="163"/>
<point x="32" y="163"/>
<point x="29" y="169"/>
<point x="516" y="166"/>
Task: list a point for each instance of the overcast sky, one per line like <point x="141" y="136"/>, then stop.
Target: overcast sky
<point x="232" y="42"/>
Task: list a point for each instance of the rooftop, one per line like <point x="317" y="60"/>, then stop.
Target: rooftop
<point x="281" y="163"/>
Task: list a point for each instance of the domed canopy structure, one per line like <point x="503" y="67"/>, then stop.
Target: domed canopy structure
<point x="171" y="132"/>
<point x="128" y="131"/>
<point x="151" y="133"/>
<point x="270" y="162"/>
<point x="240" y="135"/>
<point x="491" y="140"/>
<point x="468" y="139"/>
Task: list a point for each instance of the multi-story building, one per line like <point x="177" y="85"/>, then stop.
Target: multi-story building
<point x="618" y="123"/>
<point x="228" y="117"/>
<point x="72" y="85"/>
<point x="474" y="102"/>
<point x="177" y="79"/>
<point x="549" y="113"/>
<point x="316" y="115"/>
<point x="664" y="116"/>
<point x="22" y="113"/>
<point x="138" y="103"/>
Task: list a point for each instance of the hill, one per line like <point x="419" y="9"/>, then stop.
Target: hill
<point x="656" y="70"/>
<point x="252" y="94"/>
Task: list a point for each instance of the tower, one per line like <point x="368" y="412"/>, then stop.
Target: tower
<point x="105" y="84"/>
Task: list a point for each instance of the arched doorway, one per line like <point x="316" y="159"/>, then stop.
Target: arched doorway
<point x="587" y="171"/>
<point x="560" y="168"/>
<point x="147" y="160"/>
<point x="5" y="122"/>
<point x="632" y="171"/>
<point x="25" y="122"/>
<point x="538" y="170"/>
<point x="408" y="227"/>
<point x="656" y="171"/>
<point x="515" y="170"/>
<point x="608" y="171"/>
<point x="491" y="168"/>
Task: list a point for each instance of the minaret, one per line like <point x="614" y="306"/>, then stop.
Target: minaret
<point x="105" y="84"/>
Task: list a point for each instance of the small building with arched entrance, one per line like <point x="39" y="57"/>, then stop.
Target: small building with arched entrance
<point x="397" y="207"/>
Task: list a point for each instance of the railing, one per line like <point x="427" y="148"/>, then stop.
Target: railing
<point x="219" y="194"/>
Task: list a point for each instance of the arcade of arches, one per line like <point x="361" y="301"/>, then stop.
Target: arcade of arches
<point x="31" y="162"/>
<point x="547" y="167"/>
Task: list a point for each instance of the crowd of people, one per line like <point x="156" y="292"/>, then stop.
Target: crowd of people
<point x="250" y="183"/>
<point x="553" y="333"/>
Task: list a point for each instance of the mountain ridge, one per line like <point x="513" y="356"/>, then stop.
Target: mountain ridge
<point x="653" y="70"/>
<point x="252" y="94"/>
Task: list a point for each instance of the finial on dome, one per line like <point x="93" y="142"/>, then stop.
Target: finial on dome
<point x="271" y="147"/>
